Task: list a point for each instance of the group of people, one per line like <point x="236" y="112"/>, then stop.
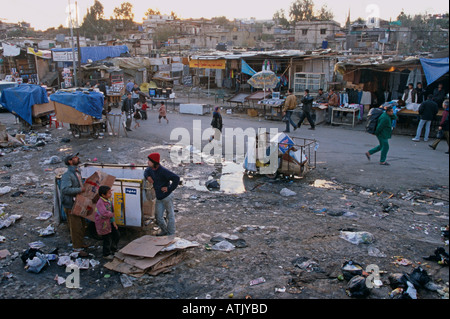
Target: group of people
<point x="164" y="183"/>
<point x="330" y="99"/>
<point x="135" y="109"/>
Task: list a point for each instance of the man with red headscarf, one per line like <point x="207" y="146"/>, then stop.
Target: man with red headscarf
<point x="164" y="182"/>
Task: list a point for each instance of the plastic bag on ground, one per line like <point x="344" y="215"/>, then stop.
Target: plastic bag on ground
<point x="357" y="287"/>
<point x="287" y="192"/>
<point x="357" y="238"/>
<point x="351" y="269"/>
<point x="223" y="246"/>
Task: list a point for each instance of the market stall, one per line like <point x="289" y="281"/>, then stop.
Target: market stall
<point x="29" y="102"/>
<point x="81" y="109"/>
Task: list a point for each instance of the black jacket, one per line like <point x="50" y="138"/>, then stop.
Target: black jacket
<point x="217" y="121"/>
<point x="307" y="103"/>
<point x="128" y="107"/>
<point x="428" y="110"/>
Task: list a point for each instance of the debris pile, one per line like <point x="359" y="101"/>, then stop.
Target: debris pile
<point x="150" y="255"/>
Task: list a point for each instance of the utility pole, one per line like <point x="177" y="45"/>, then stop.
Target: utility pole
<point x="78" y="40"/>
<point x="73" y="49"/>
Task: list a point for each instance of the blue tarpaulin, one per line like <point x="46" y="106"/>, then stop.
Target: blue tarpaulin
<point x="90" y="103"/>
<point x="434" y="68"/>
<point x="245" y="68"/>
<point x="97" y="53"/>
<point x="22" y="98"/>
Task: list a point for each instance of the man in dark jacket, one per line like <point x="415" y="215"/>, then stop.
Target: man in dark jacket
<point x="216" y="124"/>
<point x="164" y="182"/>
<point x="128" y="110"/>
<point x="307" y="101"/>
<point x="71" y="186"/>
<point x="383" y="134"/>
<point x="427" y="112"/>
<point x="439" y="94"/>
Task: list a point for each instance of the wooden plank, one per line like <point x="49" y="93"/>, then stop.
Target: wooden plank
<point x="67" y="114"/>
<point x="42" y="109"/>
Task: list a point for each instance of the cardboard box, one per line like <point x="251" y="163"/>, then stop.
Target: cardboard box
<point x="84" y="205"/>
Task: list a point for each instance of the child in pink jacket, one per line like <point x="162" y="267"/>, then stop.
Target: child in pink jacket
<point x="104" y="222"/>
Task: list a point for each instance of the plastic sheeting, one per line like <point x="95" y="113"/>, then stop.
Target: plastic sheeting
<point x="434" y="68"/>
<point x="98" y="53"/>
<point x="22" y="98"/>
<point x="88" y="103"/>
<point x="133" y="63"/>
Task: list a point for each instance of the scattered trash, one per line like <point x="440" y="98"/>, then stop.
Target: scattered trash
<point x="37" y="263"/>
<point x="357" y="238"/>
<point x="420" y="278"/>
<point x="4" y="253"/>
<point x="50" y="230"/>
<point x="44" y="215"/>
<point x="375" y="252"/>
<point x="398" y="280"/>
<point x="224" y="245"/>
<point x="282" y="289"/>
<point x="5" y="190"/>
<point x="2" y="239"/>
<point x="257" y="281"/>
<point x="342" y="213"/>
<point x="403" y="262"/>
<point x="351" y="269"/>
<point x="60" y="280"/>
<point x="6" y="221"/>
<point x="126" y="281"/>
<point x="36" y="245"/>
<point x="64" y="261"/>
<point x="52" y="160"/>
<point x="396" y="292"/>
<point x="411" y="292"/>
<point x="17" y="194"/>
<point x="232" y="239"/>
<point x="287" y="192"/>
<point x="180" y="243"/>
<point x="307" y="264"/>
<point x="440" y="255"/>
<point x="357" y="287"/>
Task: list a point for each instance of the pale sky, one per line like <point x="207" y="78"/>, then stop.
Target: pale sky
<point x="43" y="14"/>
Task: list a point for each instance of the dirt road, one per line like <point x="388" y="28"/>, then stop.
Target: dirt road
<point x="295" y="243"/>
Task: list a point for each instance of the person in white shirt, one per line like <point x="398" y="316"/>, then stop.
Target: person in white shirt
<point x="410" y="96"/>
